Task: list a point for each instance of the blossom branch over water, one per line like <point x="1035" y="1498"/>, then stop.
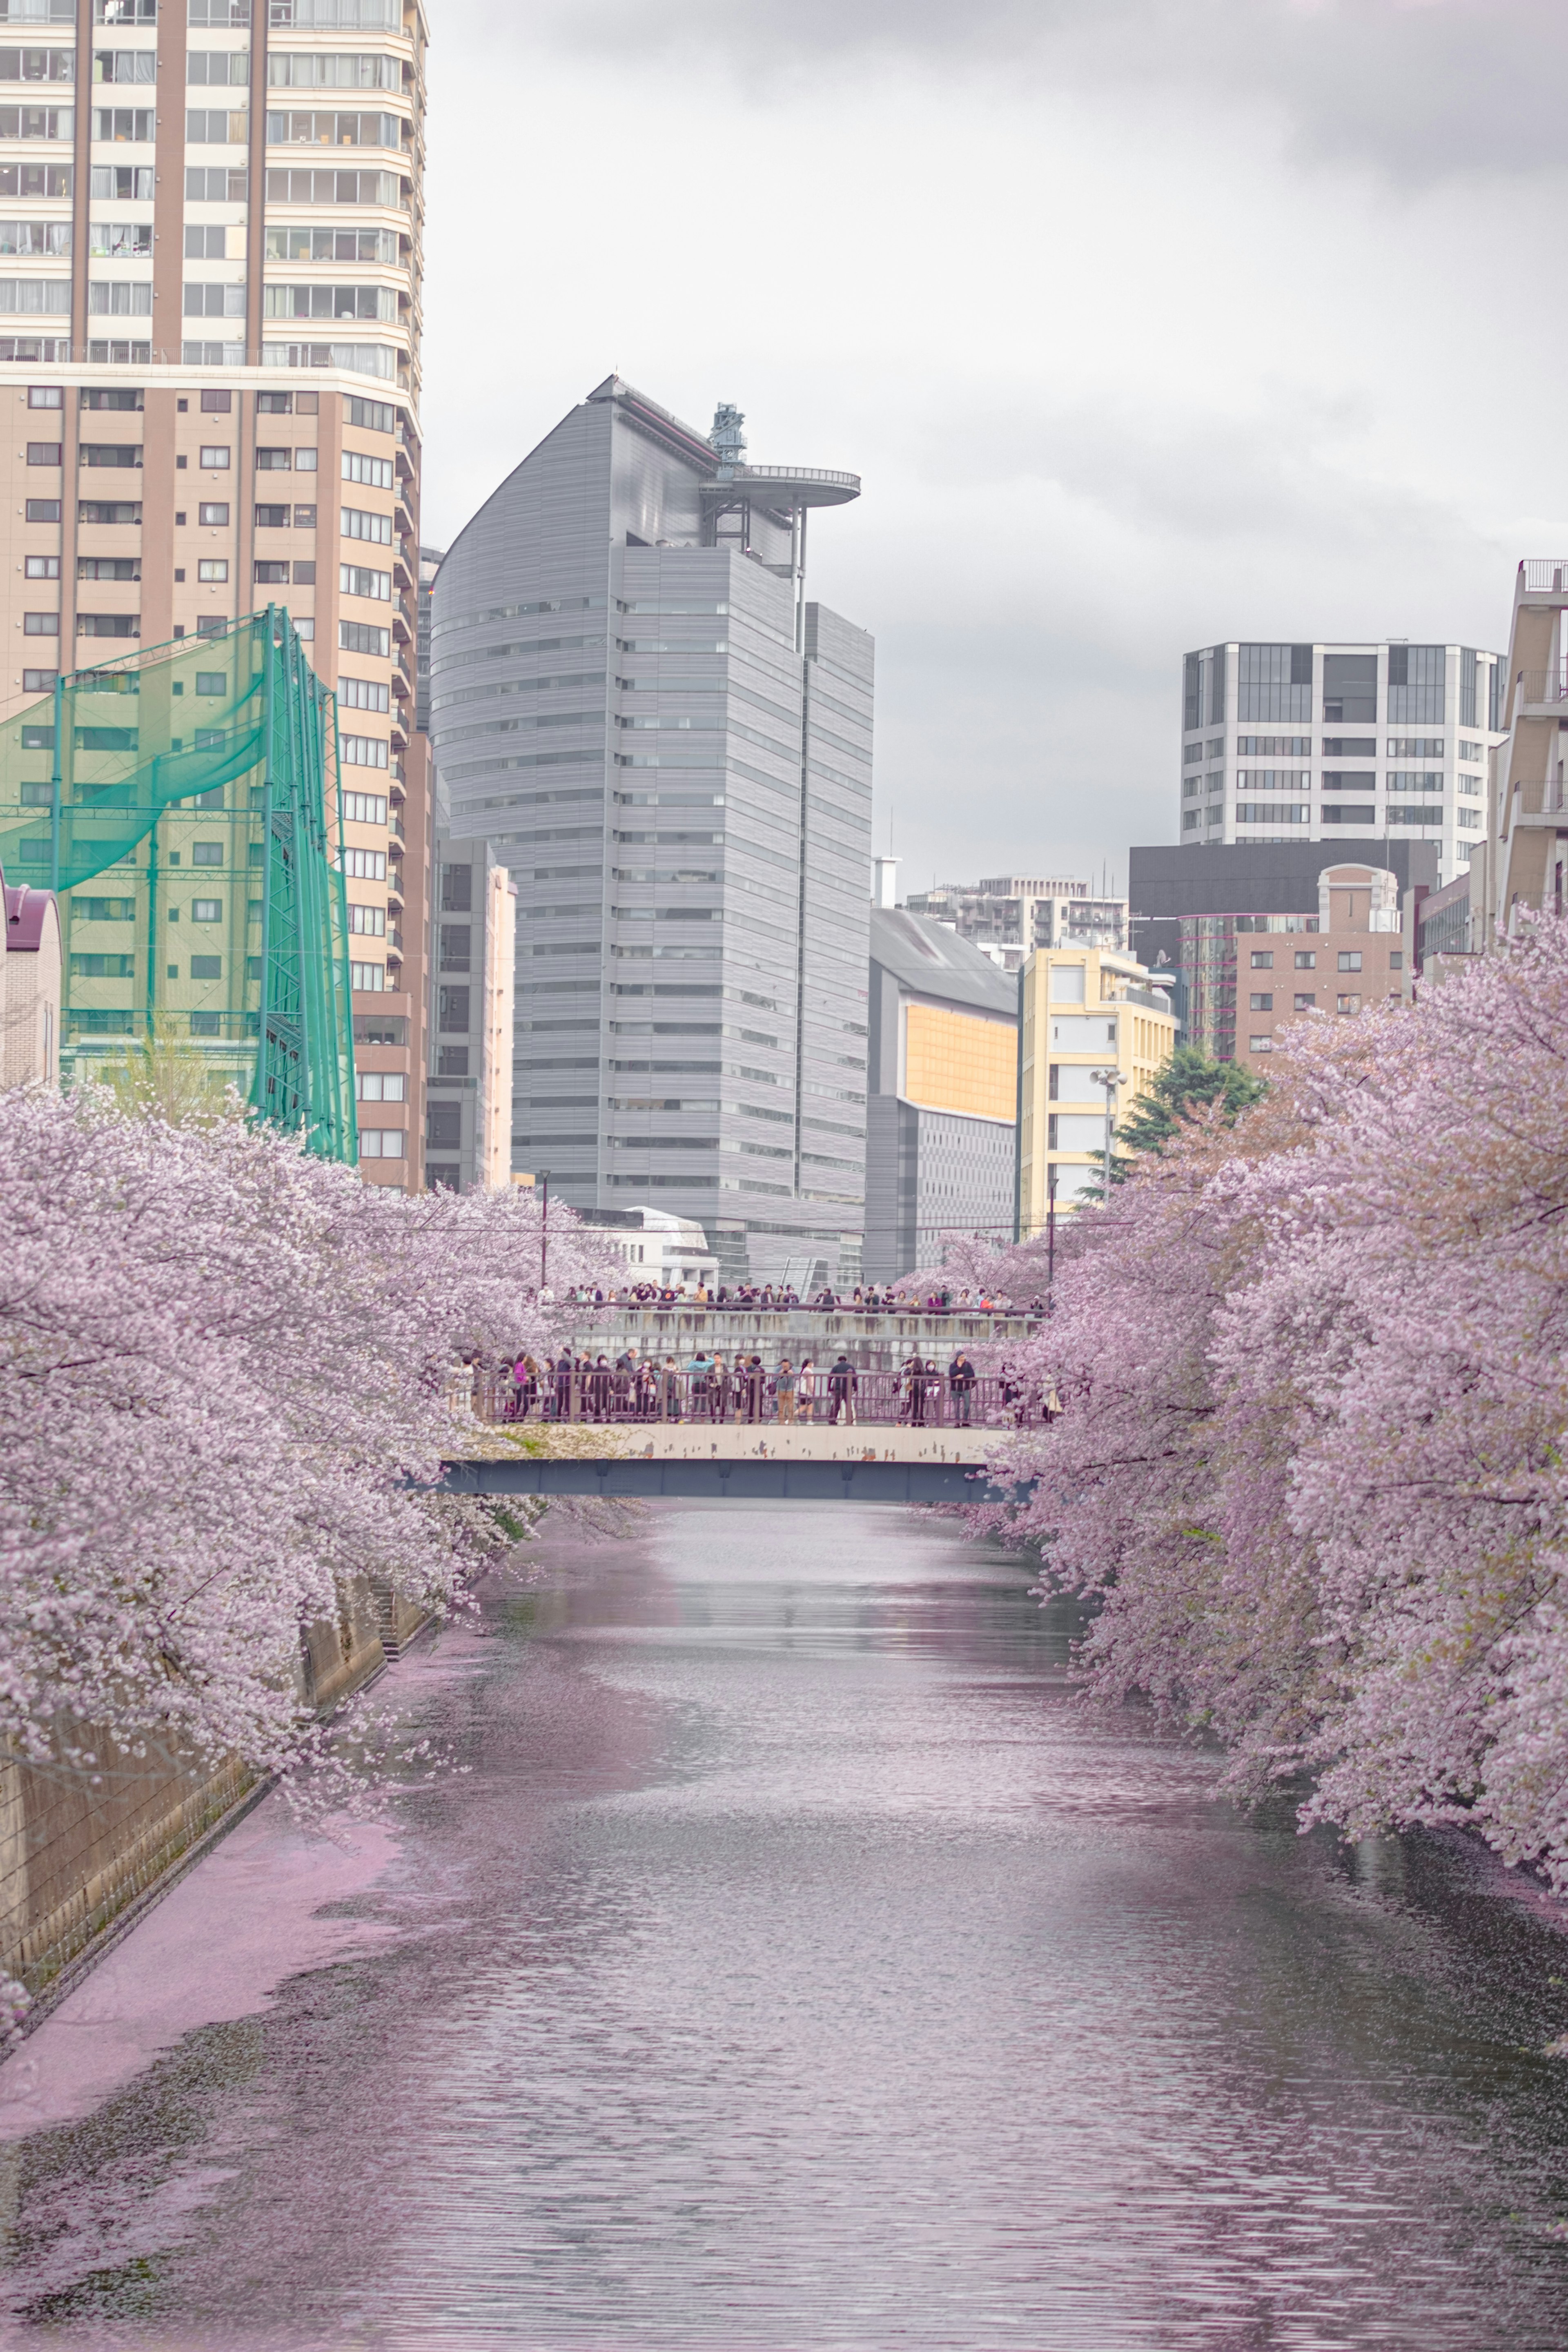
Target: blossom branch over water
<point x="1314" y="1373"/>
<point x="223" y="1367"/>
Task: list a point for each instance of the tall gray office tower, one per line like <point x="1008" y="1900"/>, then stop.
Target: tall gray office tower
<point x="631" y="697"/>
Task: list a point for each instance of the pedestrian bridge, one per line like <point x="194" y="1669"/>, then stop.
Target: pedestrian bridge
<point x="862" y="1464"/>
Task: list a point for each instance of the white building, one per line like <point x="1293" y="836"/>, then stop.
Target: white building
<point x="1343" y="743"/>
<point x="659" y="1246"/>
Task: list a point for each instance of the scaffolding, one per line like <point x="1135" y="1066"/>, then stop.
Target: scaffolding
<point x="185" y="804"/>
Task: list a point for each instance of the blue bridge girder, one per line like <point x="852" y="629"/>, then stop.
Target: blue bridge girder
<point x="737" y="1479"/>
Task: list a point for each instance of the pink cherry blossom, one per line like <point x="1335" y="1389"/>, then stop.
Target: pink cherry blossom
<point x="224" y="1373"/>
<point x="1314" y="1372"/>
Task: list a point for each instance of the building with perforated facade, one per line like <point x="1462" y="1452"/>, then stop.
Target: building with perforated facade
<point x="942" y="1094"/>
<point x="633" y="700"/>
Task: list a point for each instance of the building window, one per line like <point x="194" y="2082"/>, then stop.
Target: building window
<point x="206" y="967"/>
<point x="1261" y="1004"/>
<point x="362" y="751"/>
<point x="370" y="976"/>
<point x="207" y="853"/>
<point x="363" y="694"/>
<point x="1396" y="961"/>
<point x="1347" y="1004"/>
<point x="270" y="573"/>
<point x="381" y="1085"/>
<point x="215" y="461"/>
<point x="1261" y="1044"/>
<point x="42" y="567"/>
<point x="1262" y="959"/>
<point x="43" y="453"/>
<point x="380" y="1142"/>
<point x="370" y="921"/>
<point x="40" y="625"/>
<point x="354" y="580"/>
<point x="1305" y="1004"/>
<point x="363" y="864"/>
<point x="1415" y="684"/>
<point x="1349" y="959"/>
<point x="1273" y="682"/>
<point x="361" y="637"/>
<point x="212" y="567"/>
<point x="206" y="910"/>
<point x="358" y="522"/>
<point x="214" y="513"/>
<point x="364" y="808"/>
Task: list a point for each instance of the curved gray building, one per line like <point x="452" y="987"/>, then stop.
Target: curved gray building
<point x="670" y="748"/>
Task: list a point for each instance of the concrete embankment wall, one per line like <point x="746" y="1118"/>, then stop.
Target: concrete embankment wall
<point x="81" y="1858"/>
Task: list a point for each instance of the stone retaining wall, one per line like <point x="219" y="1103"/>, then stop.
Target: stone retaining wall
<point x="77" y="1855"/>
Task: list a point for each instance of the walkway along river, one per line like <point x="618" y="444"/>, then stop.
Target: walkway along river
<point x="800" y="1963"/>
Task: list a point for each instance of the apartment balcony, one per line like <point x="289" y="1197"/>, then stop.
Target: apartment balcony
<point x="1539" y="694"/>
<point x="1543" y="580"/>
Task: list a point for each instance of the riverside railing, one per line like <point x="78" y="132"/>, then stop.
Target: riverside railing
<point x="738" y="1395"/>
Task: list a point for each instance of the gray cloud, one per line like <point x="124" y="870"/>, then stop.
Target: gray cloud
<point x="1417" y="89"/>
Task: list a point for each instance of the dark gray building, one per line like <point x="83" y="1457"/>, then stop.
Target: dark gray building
<point x="1198" y="910"/>
<point x="940" y="1153"/>
<point x="633" y="701"/>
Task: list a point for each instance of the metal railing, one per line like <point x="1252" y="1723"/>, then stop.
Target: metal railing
<point x="1543" y="686"/>
<point x="740" y="1396"/>
<point x="1545" y="572"/>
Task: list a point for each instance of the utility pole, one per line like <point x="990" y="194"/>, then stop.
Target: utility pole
<point x="1050" y="1228"/>
<point x="545" y="1232"/>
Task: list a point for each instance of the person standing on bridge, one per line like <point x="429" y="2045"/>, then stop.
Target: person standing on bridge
<point x="960" y="1388"/>
<point x="784" y="1386"/>
<point x="842" y="1382"/>
<point x="702" y="1375"/>
<point x="756" y="1389"/>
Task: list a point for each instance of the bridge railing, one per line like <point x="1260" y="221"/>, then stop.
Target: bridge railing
<point x="653" y="1395"/>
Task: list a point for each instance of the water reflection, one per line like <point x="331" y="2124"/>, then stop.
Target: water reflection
<point x="799" y="1963"/>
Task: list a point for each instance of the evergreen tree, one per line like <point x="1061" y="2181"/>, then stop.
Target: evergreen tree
<point x="1189" y="1080"/>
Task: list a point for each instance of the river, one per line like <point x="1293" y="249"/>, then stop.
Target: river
<point x="797" y="1961"/>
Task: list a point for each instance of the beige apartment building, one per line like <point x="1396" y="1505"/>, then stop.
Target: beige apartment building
<point x="210" y="235"/>
<point x="1085" y="1011"/>
<point x="1521" y="863"/>
<point x="1352" y="955"/>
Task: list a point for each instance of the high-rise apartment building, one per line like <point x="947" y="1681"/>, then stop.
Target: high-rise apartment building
<point x="211" y="334"/>
<point x="633" y="700"/>
<point x="1007" y="916"/>
<point x="1524" y="865"/>
<point x="1340" y="744"/>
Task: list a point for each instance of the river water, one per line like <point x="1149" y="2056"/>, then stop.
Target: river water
<point x="799" y="1962"/>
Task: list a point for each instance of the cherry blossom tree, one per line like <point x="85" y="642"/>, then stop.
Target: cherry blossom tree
<point x="223" y="1376"/>
<point x="1315" y="1379"/>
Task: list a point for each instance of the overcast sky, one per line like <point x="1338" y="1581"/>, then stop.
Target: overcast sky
<point x="1146" y="322"/>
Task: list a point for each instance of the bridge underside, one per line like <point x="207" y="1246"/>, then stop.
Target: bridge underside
<point x="749" y="1480"/>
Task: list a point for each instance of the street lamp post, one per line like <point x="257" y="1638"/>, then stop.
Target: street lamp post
<point x="545" y="1232"/>
<point x="1110" y="1080"/>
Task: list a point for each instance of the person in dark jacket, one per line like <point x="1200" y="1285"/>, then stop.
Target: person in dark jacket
<point x="960" y="1387"/>
<point x="842" y="1382"/>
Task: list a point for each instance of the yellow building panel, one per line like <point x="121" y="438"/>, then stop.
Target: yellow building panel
<point x="954" y="1061"/>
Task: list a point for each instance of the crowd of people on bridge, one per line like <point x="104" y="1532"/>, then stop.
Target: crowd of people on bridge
<point x="769" y="1298"/>
<point x="742" y="1388"/>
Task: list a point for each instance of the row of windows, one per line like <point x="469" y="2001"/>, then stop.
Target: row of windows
<point x="210" y="126"/>
<point x="208" y="68"/>
<point x="213" y="15"/>
<point x="1306" y="960"/>
<point x="1334" y="747"/>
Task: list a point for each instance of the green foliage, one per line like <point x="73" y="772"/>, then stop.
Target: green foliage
<point x="1190" y="1081"/>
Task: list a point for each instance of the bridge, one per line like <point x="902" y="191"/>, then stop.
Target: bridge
<point x="685" y="1401"/>
<point x="867" y="1463"/>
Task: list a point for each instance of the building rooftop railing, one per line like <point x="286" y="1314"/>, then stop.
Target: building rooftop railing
<point x="1545" y="572"/>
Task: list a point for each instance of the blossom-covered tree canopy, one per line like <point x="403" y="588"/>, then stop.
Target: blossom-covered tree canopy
<point x="223" y="1367"/>
<point x="1314" y="1372"/>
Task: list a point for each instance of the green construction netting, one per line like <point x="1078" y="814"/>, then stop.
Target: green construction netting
<point x="183" y="801"/>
